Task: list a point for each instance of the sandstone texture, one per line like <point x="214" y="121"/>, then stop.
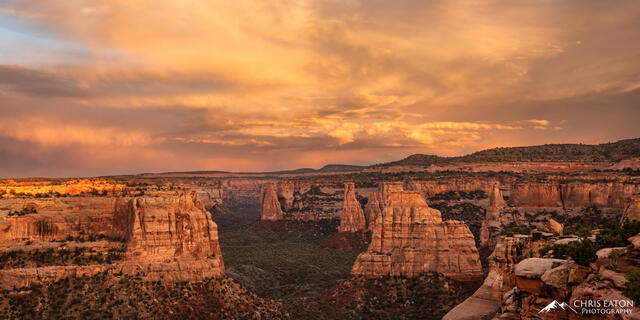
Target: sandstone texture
<point x="409" y="239"/>
<point x="352" y="217"/>
<point x="632" y="208"/>
<point x="486" y="301"/>
<point x="496" y="203"/>
<point x="271" y="209"/>
<point x="167" y="235"/>
<point x="554" y="226"/>
<point x="372" y="210"/>
<point x="541" y="281"/>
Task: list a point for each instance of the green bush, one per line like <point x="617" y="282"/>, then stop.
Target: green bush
<point x="615" y="235"/>
<point x="582" y="252"/>
<point x="544" y="250"/>
<point x="632" y="287"/>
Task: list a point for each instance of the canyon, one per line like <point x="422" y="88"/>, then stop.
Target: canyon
<point x="165" y="234"/>
<point x="482" y="237"/>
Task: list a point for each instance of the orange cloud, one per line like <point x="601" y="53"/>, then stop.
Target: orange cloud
<point x="319" y="79"/>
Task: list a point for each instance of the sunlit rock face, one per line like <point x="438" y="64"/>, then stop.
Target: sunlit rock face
<point x="352" y="216"/>
<point x="409" y="238"/>
<point x="56" y="218"/>
<point x="269" y="204"/>
<point x="166" y="236"/>
<point x="73" y="187"/>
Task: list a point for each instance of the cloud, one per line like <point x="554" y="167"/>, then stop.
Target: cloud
<point x="254" y="84"/>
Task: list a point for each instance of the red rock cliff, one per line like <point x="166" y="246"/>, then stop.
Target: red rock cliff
<point x="409" y="238"/>
<point x="269" y="204"/>
<point x="352" y="217"/>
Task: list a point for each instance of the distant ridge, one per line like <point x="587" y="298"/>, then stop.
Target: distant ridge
<point x="326" y="168"/>
<point x="613" y="151"/>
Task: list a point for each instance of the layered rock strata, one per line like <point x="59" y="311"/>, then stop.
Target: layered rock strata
<point x="492" y="217"/>
<point x="166" y="236"/>
<point x="409" y="239"/>
<point x="372" y="209"/>
<point x="352" y="216"/>
<point x="632" y="209"/>
<point x="271" y="209"/>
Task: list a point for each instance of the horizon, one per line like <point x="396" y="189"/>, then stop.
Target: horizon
<point x="101" y="90"/>
<point x="286" y="169"/>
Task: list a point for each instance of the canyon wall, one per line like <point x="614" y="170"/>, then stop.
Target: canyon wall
<point x="409" y="239"/>
<point x="167" y="236"/>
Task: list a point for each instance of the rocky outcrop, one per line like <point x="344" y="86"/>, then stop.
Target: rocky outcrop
<point x="285" y="191"/>
<point x="53" y="219"/>
<point x="269" y="204"/>
<point x="167" y="236"/>
<point x="632" y="209"/>
<point x="211" y="194"/>
<point x="554" y="226"/>
<point x="496" y="202"/>
<point x="492" y="217"/>
<point x="372" y="210"/>
<point x="352" y="217"/>
<point x="409" y="239"/>
<point x="169" y="228"/>
<point x="486" y="301"/>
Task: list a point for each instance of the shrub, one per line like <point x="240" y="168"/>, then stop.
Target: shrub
<point x="582" y="252"/>
<point x="544" y="250"/>
<point x="632" y="287"/>
<point x="615" y="235"/>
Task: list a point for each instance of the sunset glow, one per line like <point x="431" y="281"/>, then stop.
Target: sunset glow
<point x="113" y="87"/>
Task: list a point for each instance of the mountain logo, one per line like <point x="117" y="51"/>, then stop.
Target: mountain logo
<point x="555" y="305"/>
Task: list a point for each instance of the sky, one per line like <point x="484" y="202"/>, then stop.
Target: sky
<point x="108" y="87"/>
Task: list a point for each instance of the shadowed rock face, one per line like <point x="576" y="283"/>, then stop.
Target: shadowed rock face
<point x="271" y="209"/>
<point x="496" y="202"/>
<point x="409" y="239"/>
<point x="167" y="236"/>
<point x="352" y="217"/>
<point x="372" y="210"/>
<point x="485" y="302"/>
<point x="632" y="208"/>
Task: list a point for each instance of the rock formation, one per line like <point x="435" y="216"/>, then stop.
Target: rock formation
<point x="167" y="236"/>
<point x="554" y="226"/>
<point x="492" y="217"/>
<point x="485" y="302"/>
<point x="632" y="209"/>
<point x="372" y="210"/>
<point x="352" y="217"/>
<point x="271" y="209"/>
<point x="496" y="203"/>
<point x="409" y="238"/>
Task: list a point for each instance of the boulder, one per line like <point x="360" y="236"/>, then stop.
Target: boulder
<point x="554" y="226"/>
<point x="605" y="252"/>
<point x="557" y="277"/>
<point x="534" y="268"/>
